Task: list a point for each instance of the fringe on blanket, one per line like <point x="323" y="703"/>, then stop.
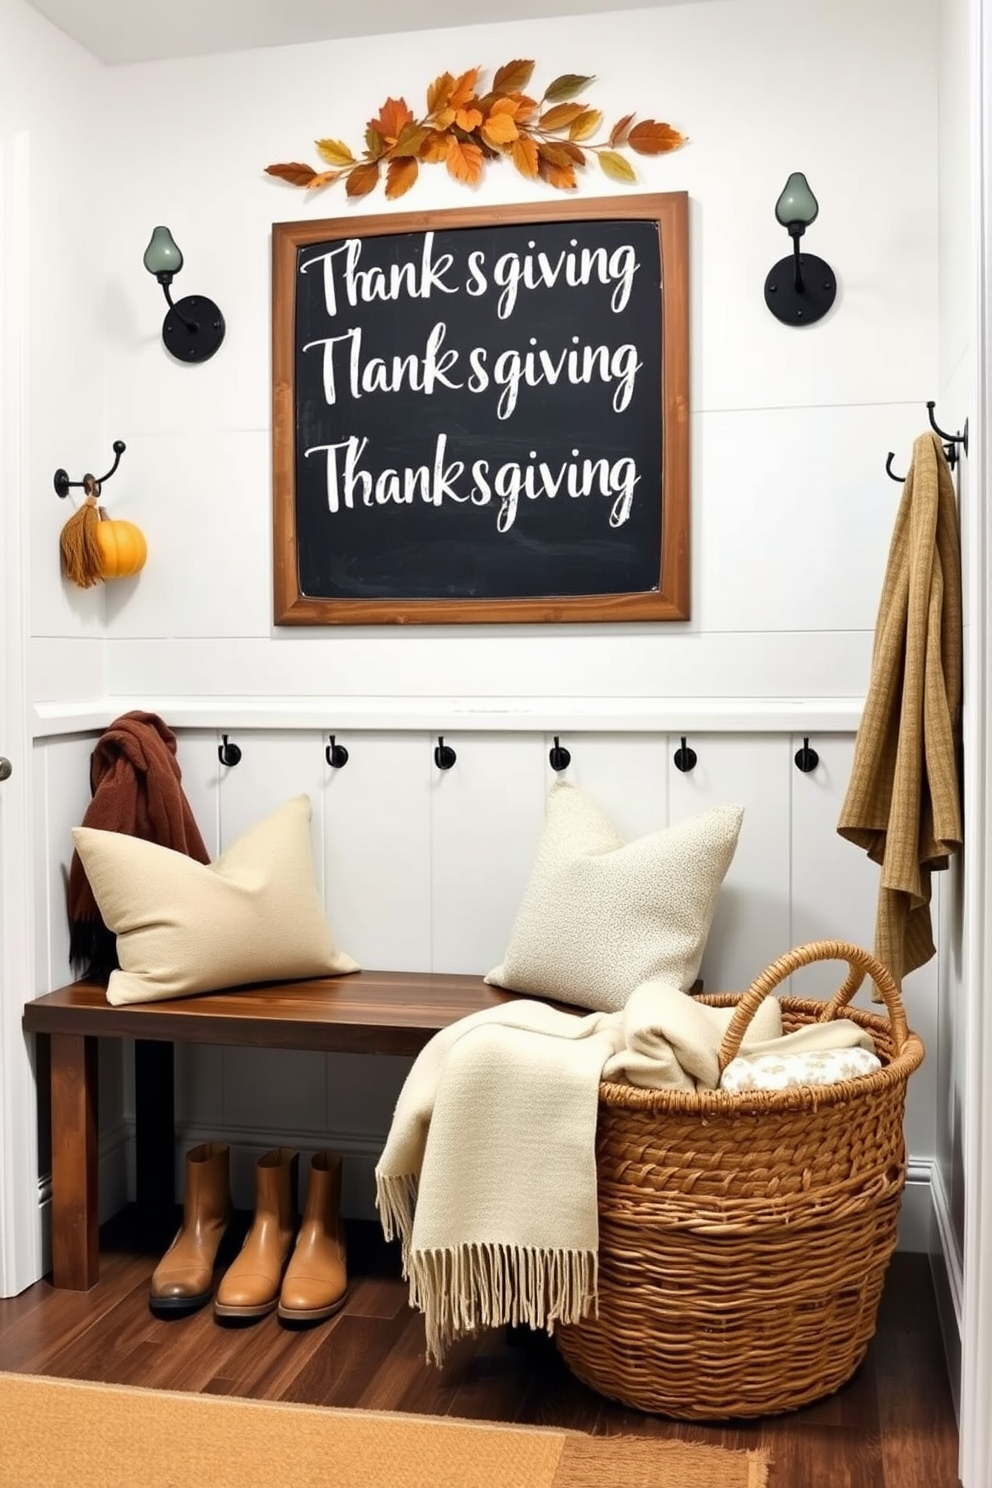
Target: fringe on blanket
<point x="463" y="1288"/>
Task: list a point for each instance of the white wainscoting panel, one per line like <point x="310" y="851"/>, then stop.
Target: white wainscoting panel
<point x="751" y="924"/>
<point x="377" y="844"/>
<point x="486" y="817"/>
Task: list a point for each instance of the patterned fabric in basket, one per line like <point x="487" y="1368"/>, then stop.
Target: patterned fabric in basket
<point x="780" y="1071"/>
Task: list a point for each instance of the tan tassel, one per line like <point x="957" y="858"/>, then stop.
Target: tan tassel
<point x="78" y="545"/>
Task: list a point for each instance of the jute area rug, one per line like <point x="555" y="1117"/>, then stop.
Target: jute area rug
<point x="58" y="1433"/>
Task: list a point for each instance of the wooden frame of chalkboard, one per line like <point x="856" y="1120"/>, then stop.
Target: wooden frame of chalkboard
<point x="482" y="415"/>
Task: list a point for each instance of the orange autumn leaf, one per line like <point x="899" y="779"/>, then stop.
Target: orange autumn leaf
<point x="464" y="89"/>
<point x="652" y="138"/>
<point x="513" y="77"/>
<point x="524" y="155"/>
<point x="464" y="160"/>
<point x="500" y="129"/>
<point x="439" y="92"/>
<point x="435" y="146"/>
<point x="561" y="152"/>
<point x="296" y="174"/>
<point x="562" y="115"/>
<point x="561" y="177"/>
<point x="393" y="118"/>
<point x="326" y="178"/>
<point x="619" y="131"/>
<point x="362" y="179"/>
<point x="400" y="177"/>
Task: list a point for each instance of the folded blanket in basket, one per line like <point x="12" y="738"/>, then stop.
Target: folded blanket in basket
<point x="488" y="1175"/>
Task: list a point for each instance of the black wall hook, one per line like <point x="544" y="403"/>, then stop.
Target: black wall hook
<point x="228" y="754"/>
<point x="336" y="755"/>
<point x="951" y="442"/>
<point x="62" y="482"/>
<point x="444" y="755"/>
<point x="806" y="759"/>
<point x="684" y="758"/>
<point x="559" y="757"/>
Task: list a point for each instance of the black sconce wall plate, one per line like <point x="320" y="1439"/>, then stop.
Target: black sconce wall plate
<point x="810" y="302"/>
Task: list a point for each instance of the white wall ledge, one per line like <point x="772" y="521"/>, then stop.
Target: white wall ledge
<point x="494" y="714"/>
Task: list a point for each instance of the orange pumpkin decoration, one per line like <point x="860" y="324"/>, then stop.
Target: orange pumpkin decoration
<point x="122" y="545"/>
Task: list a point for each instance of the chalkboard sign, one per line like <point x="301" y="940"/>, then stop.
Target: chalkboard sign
<point x="482" y="415"/>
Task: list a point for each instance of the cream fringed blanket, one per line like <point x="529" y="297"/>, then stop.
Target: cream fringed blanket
<point x="488" y="1176"/>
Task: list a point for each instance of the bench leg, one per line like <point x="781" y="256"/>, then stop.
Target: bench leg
<point x="75" y="1215"/>
<point x="154" y="1135"/>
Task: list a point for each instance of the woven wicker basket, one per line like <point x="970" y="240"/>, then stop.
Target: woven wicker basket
<point x="744" y="1238"/>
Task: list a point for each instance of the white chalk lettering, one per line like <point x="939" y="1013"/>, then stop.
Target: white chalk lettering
<point x="417" y="280"/>
<point x="576" y="267"/>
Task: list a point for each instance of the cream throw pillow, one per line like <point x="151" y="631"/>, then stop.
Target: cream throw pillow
<point x="182" y="927"/>
<point x="601" y="915"/>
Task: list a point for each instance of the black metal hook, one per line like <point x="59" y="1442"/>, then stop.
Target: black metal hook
<point x="336" y="755"/>
<point x="806" y="759"/>
<point x="62" y="482"/>
<point x="228" y="754"/>
<point x="951" y="441"/>
<point x="559" y="757"/>
<point x="444" y="755"/>
<point x="684" y="758"/>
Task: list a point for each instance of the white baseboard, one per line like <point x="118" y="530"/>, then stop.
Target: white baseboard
<point x="947" y="1267"/>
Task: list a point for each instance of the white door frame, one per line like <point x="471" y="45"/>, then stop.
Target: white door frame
<point x="20" y="1237"/>
<point x="975" y="1465"/>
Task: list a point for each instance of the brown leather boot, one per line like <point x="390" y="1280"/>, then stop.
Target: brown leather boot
<point x="316" y="1282"/>
<point x="250" y="1286"/>
<point x="183" y="1280"/>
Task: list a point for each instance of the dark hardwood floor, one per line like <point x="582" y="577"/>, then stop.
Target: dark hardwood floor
<point x="892" y="1426"/>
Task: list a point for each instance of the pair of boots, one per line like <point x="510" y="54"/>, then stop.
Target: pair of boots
<point x="307" y="1280"/>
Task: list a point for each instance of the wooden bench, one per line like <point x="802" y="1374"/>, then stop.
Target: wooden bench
<point x="369" y="1012"/>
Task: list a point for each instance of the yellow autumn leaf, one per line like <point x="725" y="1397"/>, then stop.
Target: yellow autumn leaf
<point x="499" y="129"/>
<point x="524" y="156"/>
<point x="468" y="119"/>
<point x="585" y="126"/>
<point x="400" y="176"/>
<point x="334" y="152"/>
<point x="513" y="77"/>
<point x="561" y="116"/>
<point x="464" y="160"/>
<point x="616" y="166"/>
<point x="464" y="89"/>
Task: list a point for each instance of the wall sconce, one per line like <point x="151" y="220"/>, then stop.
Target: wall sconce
<point x="800" y="289"/>
<point x="193" y="328"/>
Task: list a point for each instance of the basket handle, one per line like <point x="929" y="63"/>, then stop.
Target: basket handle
<point x="861" y="963"/>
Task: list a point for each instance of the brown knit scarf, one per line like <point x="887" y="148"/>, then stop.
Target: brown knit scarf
<point x="135" y="782"/>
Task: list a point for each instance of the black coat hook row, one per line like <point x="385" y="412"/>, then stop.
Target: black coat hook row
<point x="951" y="442"/>
<point x="62" y="482"/>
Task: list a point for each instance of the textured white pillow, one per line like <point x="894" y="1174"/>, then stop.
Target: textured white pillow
<point x="601" y="915"/>
<point x="183" y="927"/>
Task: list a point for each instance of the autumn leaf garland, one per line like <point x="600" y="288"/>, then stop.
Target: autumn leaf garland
<point x="547" y="138"/>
